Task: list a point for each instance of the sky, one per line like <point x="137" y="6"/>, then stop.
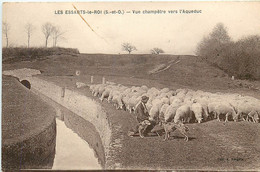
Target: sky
<point x="175" y="33"/>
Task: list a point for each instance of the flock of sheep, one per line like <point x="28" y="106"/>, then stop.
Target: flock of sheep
<point x="181" y="105"/>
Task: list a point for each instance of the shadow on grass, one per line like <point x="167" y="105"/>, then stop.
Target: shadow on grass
<point x="180" y="137"/>
<point x="154" y="135"/>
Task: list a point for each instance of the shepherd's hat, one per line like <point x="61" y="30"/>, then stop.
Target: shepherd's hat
<point x="145" y="98"/>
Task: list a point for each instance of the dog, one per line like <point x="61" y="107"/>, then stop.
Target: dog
<point x="171" y="127"/>
<point x="142" y="127"/>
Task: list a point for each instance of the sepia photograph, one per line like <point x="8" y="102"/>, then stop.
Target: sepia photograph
<point x="131" y="86"/>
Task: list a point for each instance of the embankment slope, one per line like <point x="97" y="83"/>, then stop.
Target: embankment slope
<point x="28" y="128"/>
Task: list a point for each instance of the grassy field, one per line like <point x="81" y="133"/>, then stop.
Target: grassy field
<point x="213" y="145"/>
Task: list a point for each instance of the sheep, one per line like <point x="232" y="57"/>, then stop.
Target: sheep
<point x="101" y="89"/>
<point x="163" y="111"/>
<point x="226" y="109"/>
<point x="170" y="93"/>
<point x="163" y="95"/>
<point x="204" y="103"/>
<point x="153" y="91"/>
<point x="175" y="99"/>
<point x="197" y="109"/>
<point x="149" y="106"/>
<point x="144" y="87"/>
<point x="156" y="101"/>
<point x="165" y="100"/>
<point x="98" y="90"/>
<point x="95" y="89"/>
<point x="155" y="109"/>
<point x="125" y="100"/>
<point x="171" y="111"/>
<point x="132" y="103"/>
<point x="80" y="85"/>
<point x="91" y="88"/>
<point x="181" y="90"/>
<point x="126" y="91"/>
<point x="105" y="94"/>
<point x="154" y="113"/>
<point x="164" y="90"/>
<point x="183" y="113"/>
<point x="164" y="105"/>
<point x="245" y="107"/>
<point x="117" y="100"/>
<point x="112" y="93"/>
<point x="212" y="109"/>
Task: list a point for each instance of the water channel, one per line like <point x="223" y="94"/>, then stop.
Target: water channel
<point x="72" y="152"/>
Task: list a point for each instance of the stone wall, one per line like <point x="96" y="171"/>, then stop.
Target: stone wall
<point x="82" y="127"/>
<point x="84" y="107"/>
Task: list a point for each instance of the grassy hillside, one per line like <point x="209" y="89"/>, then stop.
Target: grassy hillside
<point x="185" y="71"/>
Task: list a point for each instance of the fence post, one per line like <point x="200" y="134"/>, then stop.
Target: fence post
<point x="91" y="79"/>
<point x="103" y="80"/>
<point x="63" y="92"/>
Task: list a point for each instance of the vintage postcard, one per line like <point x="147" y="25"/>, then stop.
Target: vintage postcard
<point x="131" y="85"/>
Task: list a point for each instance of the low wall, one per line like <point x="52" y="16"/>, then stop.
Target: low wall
<point x="83" y="107"/>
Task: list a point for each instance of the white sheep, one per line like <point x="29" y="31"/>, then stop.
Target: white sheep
<point x="183" y="114"/>
<point x="225" y="109"/>
<point x="244" y="108"/>
<point x="117" y="101"/>
<point x="132" y="103"/>
<point x="164" y="90"/>
<point x="155" y="109"/>
<point x="197" y="109"/>
<point x="95" y="90"/>
<point x="105" y="94"/>
<point x="171" y="111"/>
<point x="204" y="103"/>
<point x="112" y="93"/>
<point x="174" y="100"/>
<point x="163" y="111"/>
<point x="101" y="89"/>
<point x="144" y="87"/>
<point x="154" y="113"/>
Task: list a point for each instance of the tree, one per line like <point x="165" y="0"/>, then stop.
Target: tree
<point x="156" y="51"/>
<point x="47" y="30"/>
<point x="29" y="29"/>
<point x="210" y="48"/>
<point x="220" y="34"/>
<point x="240" y="58"/>
<point x="6" y="28"/>
<point x="248" y="57"/>
<point x="128" y="47"/>
<point x="56" y="35"/>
